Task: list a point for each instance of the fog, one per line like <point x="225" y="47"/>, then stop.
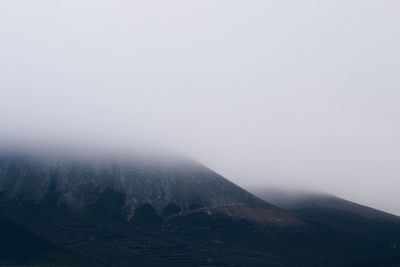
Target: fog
<point x="284" y="93"/>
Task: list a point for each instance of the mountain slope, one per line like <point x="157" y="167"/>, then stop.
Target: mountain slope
<point x="304" y="202"/>
<point x="295" y="200"/>
<point x="137" y="210"/>
<point x="90" y="188"/>
<point x="338" y="214"/>
<point x="150" y="211"/>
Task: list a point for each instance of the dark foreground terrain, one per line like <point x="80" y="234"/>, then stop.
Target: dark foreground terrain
<point x="73" y="212"/>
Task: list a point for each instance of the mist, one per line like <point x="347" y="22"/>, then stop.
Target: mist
<point x="267" y="93"/>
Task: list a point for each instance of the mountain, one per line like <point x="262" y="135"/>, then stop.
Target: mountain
<point x="338" y="215"/>
<point x="140" y="208"/>
<point x="308" y="203"/>
<point x="158" y="210"/>
<point x="95" y="188"/>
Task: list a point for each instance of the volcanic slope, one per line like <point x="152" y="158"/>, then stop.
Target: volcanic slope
<point x="103" y="189"/>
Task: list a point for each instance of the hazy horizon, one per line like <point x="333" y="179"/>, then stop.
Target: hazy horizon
<point x="285" y="94"/>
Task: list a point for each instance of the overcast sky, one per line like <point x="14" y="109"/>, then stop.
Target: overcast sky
<point x="292" y="93"/>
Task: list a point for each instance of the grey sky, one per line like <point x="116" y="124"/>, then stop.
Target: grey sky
<point x="294" y="93"/>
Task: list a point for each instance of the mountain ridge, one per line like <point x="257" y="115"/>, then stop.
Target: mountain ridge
<point x="302" y="199"/>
